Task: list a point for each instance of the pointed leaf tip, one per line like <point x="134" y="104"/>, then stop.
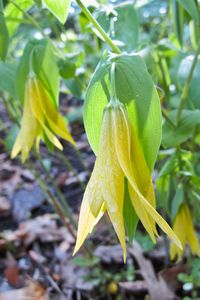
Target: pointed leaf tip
<point x="59" y="8"/>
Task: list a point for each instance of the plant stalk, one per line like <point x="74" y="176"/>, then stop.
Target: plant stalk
<point x="98" y="27"/>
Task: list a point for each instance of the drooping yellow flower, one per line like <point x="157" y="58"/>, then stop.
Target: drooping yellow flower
<point x="120" y="155"/>
<point x="184" y="229"/>
<point x="40" y="118"/>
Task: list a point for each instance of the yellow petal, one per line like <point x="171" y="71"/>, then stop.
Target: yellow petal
<point x="106" y="182"/>
<point x="94" y="191"/>
<point x="117" y="221"/>
<point x="121" y="127"/>
<point x="141" y="213"/>
<point x="142" y="188"/>
<point x="184" y="229"/>
<point x="17" y="146"/>
<point x="112" y="178"/>
<point x="141" y="170"/>
<point x="191" y="236"/>
<point x="37" y="144"/>
<point x="161" y="222"/>
<point x="129" y="150"/>
<point x="179" y="229"/>
<point x="87" y="221"/>
<point x="54" y="119"/>
<point x="92" y="208"/>
<point x="35" y="100"/>
<point x="52" y="138"/>
<point x="63" y="134"/>
<point x="29" y="128"/>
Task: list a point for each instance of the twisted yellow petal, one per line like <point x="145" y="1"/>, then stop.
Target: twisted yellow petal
<point x="55" y="121"/>
<point x="87" y="221"/>
<point x="146" y="212"/>
<point x="123" y="140"/>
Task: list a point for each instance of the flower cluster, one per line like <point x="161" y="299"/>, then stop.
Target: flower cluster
<point x="40" y="120"/>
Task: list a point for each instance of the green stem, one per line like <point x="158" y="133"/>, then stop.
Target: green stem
<point x="98" y="27"/>
<point x="186" y="87"/>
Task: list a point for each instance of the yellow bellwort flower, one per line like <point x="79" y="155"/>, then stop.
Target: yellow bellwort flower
<point x="119" y="156"/>
<point x="40" y="117"/>
<point x="184" y="229"/>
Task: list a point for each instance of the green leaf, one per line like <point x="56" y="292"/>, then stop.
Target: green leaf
<point x="14" y="14"/>
<point x="4" y="38"/>
<point x="169" y="166"/>
<point x="197" y="196"/>
<point x="59" y="8"/>
<point x="145" y="241"/>
<point x="162" y="192"/>
<point x="7" y="78"/>
<point x="39" y="57"/>
<point x="67" y="69"/>
<point x="191" y="7"/>
<point x="73" y="87"/>
<point x="195" y="272"/>
<point x="118" y="23"/>
<point x="177" y="201"/>
<point x="86" y="262"/>
<point x="175" y="136"/>
<point x="23" y="70"/>
<point x="68" y="66"/>
<point x="130" y="217"/>
<point x="194" y="90"/>
<point x="135" y="88"/>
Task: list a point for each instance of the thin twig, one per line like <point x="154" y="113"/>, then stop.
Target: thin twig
<point x="98" y="27"/>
